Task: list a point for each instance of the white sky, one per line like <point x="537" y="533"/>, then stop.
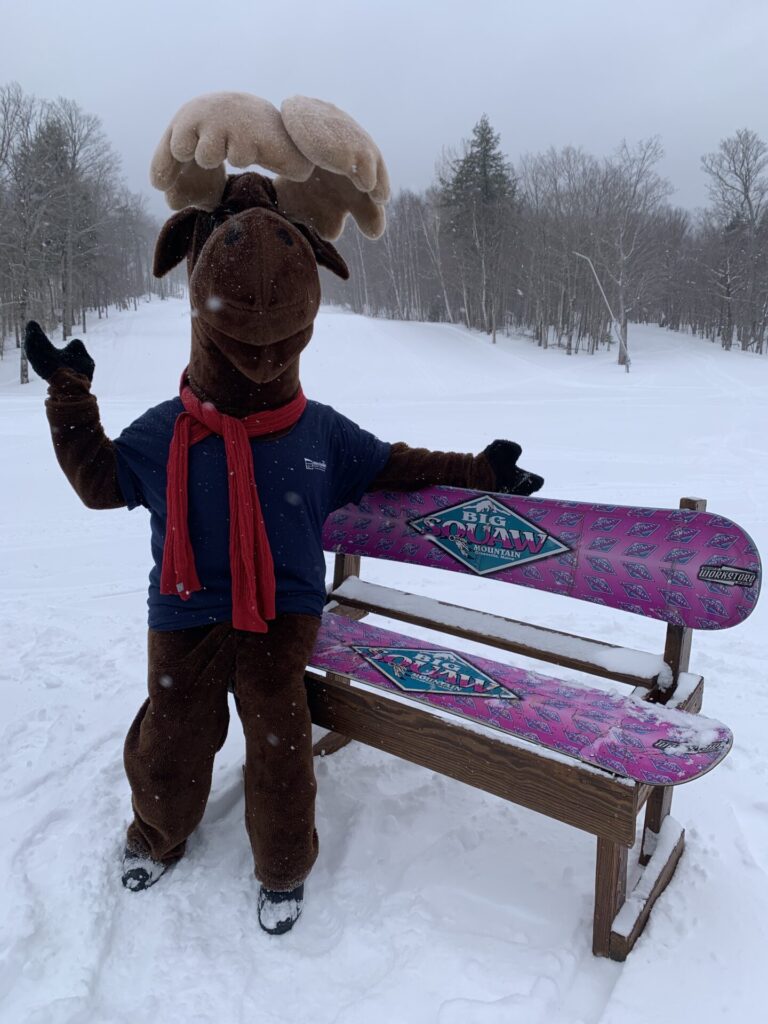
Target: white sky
<point x="416" y="75"/>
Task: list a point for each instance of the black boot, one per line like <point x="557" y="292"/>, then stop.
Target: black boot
<point x="279" y="911"/>
<point x="140" y="871"/>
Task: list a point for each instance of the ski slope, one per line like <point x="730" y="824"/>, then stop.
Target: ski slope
<point x="430" y="902"/>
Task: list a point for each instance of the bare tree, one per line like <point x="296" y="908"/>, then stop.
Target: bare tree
<point x="631" y="196"/>
<point x="71" y="237"/>
<point x="704" y="273"/>
<point x="738" y="188"/>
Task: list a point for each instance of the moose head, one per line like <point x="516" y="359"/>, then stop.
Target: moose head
<point x="253" y="245"/>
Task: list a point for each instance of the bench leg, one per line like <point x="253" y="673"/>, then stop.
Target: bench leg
<point x="653" y="880"/>
<point x="620" y="917"/>
<point x="610" y="892"/>
<point x="656" y="810"/>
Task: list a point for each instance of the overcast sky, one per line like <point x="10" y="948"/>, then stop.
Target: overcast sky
<point x="417" y="75"/>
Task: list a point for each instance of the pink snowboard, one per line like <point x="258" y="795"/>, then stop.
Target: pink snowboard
<point x="633" y="739"/>
<point x="688" y="568"/>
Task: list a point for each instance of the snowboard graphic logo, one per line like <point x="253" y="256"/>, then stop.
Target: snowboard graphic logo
<point x="421" y="671"/>
<point x="486" y="536"/>
<point x="728" y="575"/>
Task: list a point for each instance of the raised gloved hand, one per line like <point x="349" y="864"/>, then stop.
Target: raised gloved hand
<point x="46" y="359"/>
<point x="510" y="478"/>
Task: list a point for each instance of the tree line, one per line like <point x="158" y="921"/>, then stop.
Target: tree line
<point x="73" y="238"/>
<point x="571" y="248"/>
<point x="565" y="246"/>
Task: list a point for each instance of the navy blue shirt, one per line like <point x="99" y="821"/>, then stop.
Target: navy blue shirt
<point x="322" y="463"/>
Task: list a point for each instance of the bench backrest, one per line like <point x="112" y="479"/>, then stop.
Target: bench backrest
<point x="685" y="566"/>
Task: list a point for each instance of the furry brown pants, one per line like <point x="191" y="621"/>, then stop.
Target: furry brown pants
<point x="171" y="745"/>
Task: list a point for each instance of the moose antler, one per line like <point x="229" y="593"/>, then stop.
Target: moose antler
<point x="327" y="165"/>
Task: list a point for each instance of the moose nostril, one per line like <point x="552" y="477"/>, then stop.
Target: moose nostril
<point x="284" y="236"/>
<point x="232" y="235"/>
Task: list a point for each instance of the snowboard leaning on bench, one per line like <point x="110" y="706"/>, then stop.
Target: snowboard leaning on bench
<point x="684" y="566"/>
<point x="587" y="757"/>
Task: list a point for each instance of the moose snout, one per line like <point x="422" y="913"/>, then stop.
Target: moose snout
<point x="256" y="279"/>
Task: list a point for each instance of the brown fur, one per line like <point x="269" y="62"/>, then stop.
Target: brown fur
<point x="409" y="469"/>
<point x="255" y="292"/>
<point x="170" y="748"/>
<point x="83" y="450"/>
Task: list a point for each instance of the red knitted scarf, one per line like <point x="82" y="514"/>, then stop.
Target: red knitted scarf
<point x="250" y="557"/>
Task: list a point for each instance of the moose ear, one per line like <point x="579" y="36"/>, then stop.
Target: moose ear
<point x="326" y="254"/>
<point x="174" y="241"/>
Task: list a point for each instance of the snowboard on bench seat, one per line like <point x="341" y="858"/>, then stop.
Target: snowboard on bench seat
<point x="624" y="735"/>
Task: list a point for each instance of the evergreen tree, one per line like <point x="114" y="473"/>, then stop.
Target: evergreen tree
<point x="478" y="192"/>
<point x="482" y="176"/>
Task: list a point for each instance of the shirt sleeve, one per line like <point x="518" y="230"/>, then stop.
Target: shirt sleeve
<point x="135" y="460"/>
<point x="127" y="479"/>
<point x="359" y="458"/>
<point x="142" y="456"/>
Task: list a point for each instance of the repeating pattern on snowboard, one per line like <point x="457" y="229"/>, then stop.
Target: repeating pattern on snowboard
<point x="688" y="568"/>
<point x="640" y="741"/>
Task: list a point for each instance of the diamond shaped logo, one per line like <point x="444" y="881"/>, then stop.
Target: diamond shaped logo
<point x="486" y="536"/>
<point x="419" y="671"/>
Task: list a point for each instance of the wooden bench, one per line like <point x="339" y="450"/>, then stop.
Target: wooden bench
<point x="592" y="799"/>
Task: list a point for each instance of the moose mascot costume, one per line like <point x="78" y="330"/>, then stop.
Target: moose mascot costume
<point x="228" y="470"/>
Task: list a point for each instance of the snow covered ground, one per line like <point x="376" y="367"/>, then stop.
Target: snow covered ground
<point x="430" y="902"/>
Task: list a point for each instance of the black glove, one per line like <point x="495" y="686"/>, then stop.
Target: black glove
<point x="510" y="478"/>
<point x="46" y="359"/>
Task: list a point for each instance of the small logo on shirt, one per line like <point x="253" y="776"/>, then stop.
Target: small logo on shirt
<point x="311" y="464"/>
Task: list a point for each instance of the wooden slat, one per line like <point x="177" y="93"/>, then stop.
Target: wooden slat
<point x="563" y="789"/>
<point x="610" y="892"/>
<point x="533" y="641"/>
<point x="329" y="744"/>
<point x="677" y="648"/>
<point x="344" y="566"/>
<point x="347" y="611"/>
<point x="656" y="810"/>
<point x="689" y="694"/>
